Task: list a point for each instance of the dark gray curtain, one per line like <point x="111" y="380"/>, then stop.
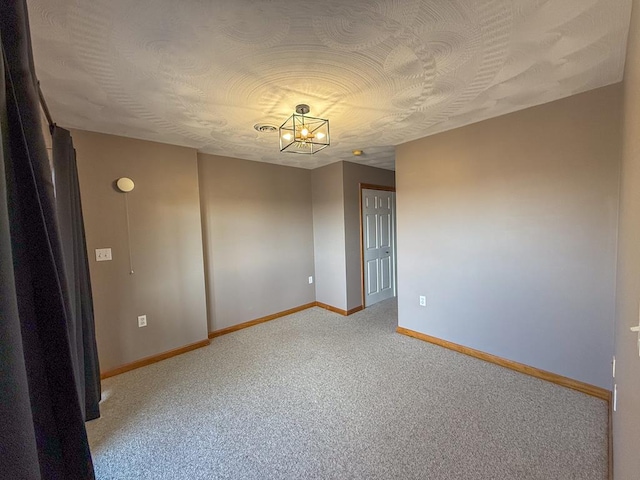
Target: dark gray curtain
<point x="80" y="321"/>
<point x="43" y="352"/>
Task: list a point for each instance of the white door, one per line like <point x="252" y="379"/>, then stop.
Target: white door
<point x="378" y="232"/>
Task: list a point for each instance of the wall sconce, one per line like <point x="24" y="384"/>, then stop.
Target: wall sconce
<point x="126" y="185"/>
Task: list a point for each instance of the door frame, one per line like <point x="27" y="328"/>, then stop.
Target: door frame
<point x="369" y="186"/>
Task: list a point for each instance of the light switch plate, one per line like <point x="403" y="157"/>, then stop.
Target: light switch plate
<point x="103" y="254"/>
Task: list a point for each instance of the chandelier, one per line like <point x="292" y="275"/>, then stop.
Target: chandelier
<point x="303" y="134"/>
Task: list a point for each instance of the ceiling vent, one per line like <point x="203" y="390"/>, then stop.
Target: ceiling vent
<point x="265" y="128"/>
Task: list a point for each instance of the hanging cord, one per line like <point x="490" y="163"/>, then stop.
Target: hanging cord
<point x="126" y="208"/>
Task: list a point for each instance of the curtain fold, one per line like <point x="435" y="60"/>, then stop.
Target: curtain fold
<point x="18" y="449"/>
<point x="41" y="403"/>
<point x="80" y="324"/>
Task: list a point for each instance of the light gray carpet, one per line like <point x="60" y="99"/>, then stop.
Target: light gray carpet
<point x="320" y="396"/>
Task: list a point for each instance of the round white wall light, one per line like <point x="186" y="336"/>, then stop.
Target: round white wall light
<point x="125" y="184"/>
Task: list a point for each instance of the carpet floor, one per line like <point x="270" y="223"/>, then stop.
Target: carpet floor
<point x="315" y="395"/>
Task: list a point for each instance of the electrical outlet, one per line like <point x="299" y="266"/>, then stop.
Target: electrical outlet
<point x="310" y="280"/>
<point x="423" y="301"/>
<point x="142" y="321"/>
<point x="103" y="254"/>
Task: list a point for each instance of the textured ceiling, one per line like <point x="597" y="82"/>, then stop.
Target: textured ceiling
<point x="203" y="73"/>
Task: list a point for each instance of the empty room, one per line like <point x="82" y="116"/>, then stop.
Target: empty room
<point x="368" y="239"/>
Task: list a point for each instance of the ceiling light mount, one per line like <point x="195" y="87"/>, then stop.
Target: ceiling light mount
<point x="303" y="134"/>
<point x="302" y="109"/>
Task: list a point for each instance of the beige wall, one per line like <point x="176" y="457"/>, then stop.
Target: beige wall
<point x="626" y="430"/>
<point x="353" y="175"/>
<point x="258" y="236"/>
<point x="508" y="226"/>
<point x="239" y="233"/>
<point x="329" y="235"/>
<point x="166" y="246"/>
<point x="336" y="228"/>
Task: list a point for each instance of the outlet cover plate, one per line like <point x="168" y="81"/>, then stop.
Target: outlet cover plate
<point x="142" y="321"/>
